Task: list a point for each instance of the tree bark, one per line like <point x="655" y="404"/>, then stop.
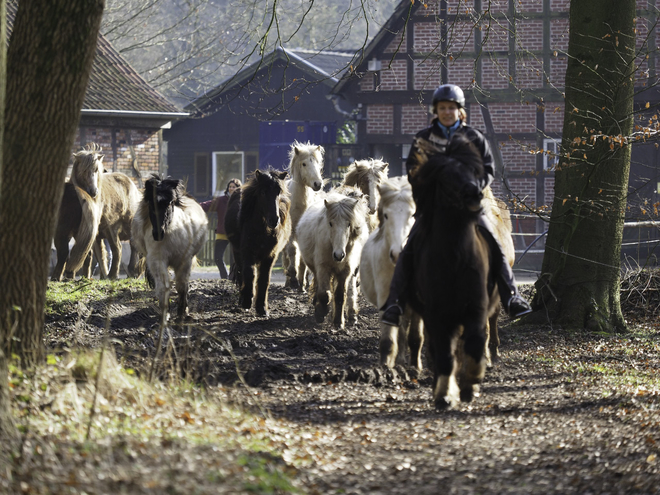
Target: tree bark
<point x="580" y="282"/>
<point x="49" y="60"/>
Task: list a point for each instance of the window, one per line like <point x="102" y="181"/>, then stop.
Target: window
<point x="551" y="149"/>
<point x="227" y="165"/>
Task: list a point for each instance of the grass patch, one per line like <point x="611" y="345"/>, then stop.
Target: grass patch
<point x="85" y="430"/>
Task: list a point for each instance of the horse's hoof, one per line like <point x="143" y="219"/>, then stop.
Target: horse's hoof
<point x="292" y="283"/>
<point x="262" y="312"/>
<point x="443" y="403"/>
<point x="320" y="312"/>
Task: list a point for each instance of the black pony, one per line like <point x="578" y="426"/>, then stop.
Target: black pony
<point x="258" y="227"/>
<point x="454" y="288"/>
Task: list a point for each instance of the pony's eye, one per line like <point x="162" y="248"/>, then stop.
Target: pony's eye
<point x="385" y="216"/>
<point x="330" y="224"/>
<point x="304" y="164"/>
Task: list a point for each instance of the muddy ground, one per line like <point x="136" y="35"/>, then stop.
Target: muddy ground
<point x="560" y="413"/>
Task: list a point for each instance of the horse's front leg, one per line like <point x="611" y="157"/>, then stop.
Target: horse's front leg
<point x="131" y="269"/>
<point x="182" y="280"/>
<point x="263" y="281"/>
<point x="101" y="257"/>
<point x="340" y="299"/>
<point x="115" y="249"/>
<point x="475" y="358"/>
<point x="247" y="287"/>
<point x="322" y="295"/>
<point x="442" y="344"/>
<point x="293" y="258"/>
<point x="352" y="297"/>
<point x="416" y="340"/>
<point x="493" y="341"/>
<point x="161" y="278"/>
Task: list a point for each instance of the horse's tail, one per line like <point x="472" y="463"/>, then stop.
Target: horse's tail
<point x="87" y="231"/>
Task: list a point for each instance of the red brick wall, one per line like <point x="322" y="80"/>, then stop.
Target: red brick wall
<point x="513" y="117"/>
<point x="461" y="72"/>
<point x="426" y="37"/>
<point x="367" y="82"/>
<point x="414" y="118"/>
<point x="529" y="34"/>
<point x="558" y="71"/>
<point x="495" y="73"/>
<point x="549" y="191"/>
<point x="529" y="5"/>
<point x="554" y="117"/>
<point x="529" y="72"/>
<point x="559" y="34"/>
<point x="426" y="74"/>
<point x="394" y="47"/>
<point x="495" y="35"/>
<point x="145" y="144"/>
<point x="393" y="76"/>
<point x="380" y="119"/>
<point x="517" y="158"/>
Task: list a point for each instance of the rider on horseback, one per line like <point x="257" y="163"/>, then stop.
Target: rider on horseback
<point x="448" y="106"/>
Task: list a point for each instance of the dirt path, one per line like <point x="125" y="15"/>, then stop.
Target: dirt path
<point x="557" y="414"/>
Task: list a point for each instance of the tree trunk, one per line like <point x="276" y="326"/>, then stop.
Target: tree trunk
<point x="579" y="286"/>
<point x="49" y="60"/>
<point x="7" y="429"/>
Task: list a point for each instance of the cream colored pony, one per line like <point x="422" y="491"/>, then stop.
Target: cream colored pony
<point x="306" y="169"/>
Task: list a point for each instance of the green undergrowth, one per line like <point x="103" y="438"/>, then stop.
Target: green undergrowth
<point x="90" y="426"/>
<point x="62" y="297"/>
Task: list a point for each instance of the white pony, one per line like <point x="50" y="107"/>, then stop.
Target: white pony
<point x="366" y="175"/>
<point x="305" y="168"/>
<point x="379" y="256"/>
<point x="169" y="229"/>
<point x="331" y="235"/>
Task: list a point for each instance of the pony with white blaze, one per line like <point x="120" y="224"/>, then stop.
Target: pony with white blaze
<point x="306" y="169"/>
<point x="331" y="234"/>
<point x="169" y="229"/>
<point x="379" y="256"/>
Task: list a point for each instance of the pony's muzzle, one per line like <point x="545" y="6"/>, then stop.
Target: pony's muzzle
<point x="394" y="255"/>
<point x="317" y="186"/>
<point x="338" y="255"/>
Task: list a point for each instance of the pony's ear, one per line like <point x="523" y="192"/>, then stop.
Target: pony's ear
<point x="101" y="157"/>
<point x="296" y="150"/>
<point x="384" y="167"/>
<point x="327" y="205"/>
<point x="257" y="173"/>
<point x="283" y="175"/>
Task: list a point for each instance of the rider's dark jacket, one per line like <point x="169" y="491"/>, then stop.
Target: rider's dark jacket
<point x="434" y="135"/>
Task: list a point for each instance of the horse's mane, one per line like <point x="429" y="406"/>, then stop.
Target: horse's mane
<point x="391" y="190"/>
<point x="155" y="182"/>
<point x="304" y="149"/>
<point x="360" y="169"/>
<point x="460" y="151"/>
<point x="250" y="192"/>
<point x="349" y="206"/>
<point x="85" y="158"/>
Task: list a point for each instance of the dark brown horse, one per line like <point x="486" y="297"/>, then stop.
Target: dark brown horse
<point x="454" y="287"/>
<point x="258" y="227"/>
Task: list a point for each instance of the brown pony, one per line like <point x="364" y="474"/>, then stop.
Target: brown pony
<point x="454" y="287"/>
<point x="113" y="200"/>
<point x="258" y="226"/>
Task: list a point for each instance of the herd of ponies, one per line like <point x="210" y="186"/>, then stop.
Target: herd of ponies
<point x="333" y="242"/>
